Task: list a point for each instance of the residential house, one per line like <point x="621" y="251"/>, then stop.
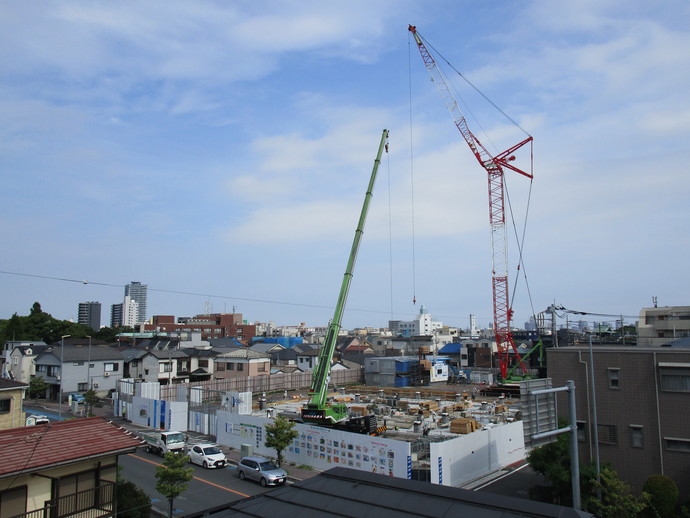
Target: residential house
<point x="21" y="366"/>
<point x="11" y="345"/>
<point x="11" y="397"/>
<point x="77" y="368"/>
<point x="241" y="363"/>
<point x="642" y="403"/>
<point x="67" y="468"/>
<point x="167" y="366"/>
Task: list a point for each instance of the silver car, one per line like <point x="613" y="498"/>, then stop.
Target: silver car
<point x="207" y="455"/>
<point x="262" y="470"/>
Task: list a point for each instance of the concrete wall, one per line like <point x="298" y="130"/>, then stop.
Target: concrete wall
<point x="476" y="454"/>
<point x="155" y="413"/>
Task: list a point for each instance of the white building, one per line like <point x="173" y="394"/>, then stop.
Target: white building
<point x="422" y="325"/>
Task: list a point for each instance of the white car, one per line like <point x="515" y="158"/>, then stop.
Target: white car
<point x="207" y="455"/>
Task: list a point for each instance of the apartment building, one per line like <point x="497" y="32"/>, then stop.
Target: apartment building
<point x="642" y="408"/>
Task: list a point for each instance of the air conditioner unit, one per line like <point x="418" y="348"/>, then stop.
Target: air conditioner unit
<point x="95" y="385"/>
<point x="106" y="374"/>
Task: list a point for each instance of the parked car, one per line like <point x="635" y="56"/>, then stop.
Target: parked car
<point x="262" y="470"/>
<point x="78" y="397"/>
<point x="207" y="455"/>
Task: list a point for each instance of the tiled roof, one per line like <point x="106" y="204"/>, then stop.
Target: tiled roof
<point x="34" y="448"/>
<point x="7" y="384"/>
<point x="349" y="492"/>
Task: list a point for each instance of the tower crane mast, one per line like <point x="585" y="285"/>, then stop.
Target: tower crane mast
<point x="493" y="165"/>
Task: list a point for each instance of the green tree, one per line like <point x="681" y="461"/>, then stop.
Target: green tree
<point x="663" y="494"/>
<point x="37" y="387"/>
<point x="616" y="500"/>
<point x="172" y="477"/>
<point x="279" y="435"/>
<point x="131" y="500"/>
<point x="90" y="399"/>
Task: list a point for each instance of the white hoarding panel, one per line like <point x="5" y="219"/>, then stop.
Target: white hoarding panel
<point x="320" y="448"/>
<point x="476" y="454"/>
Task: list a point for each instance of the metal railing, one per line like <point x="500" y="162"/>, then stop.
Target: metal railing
<point x="98" y="502"/>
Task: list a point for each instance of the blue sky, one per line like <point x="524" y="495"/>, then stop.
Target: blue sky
<point x="219" y="152"/>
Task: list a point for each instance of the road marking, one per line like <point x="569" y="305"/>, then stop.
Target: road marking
<point x="195" y="478"/>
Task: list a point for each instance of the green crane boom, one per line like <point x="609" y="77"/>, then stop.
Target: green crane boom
<point x="318" y="410"/>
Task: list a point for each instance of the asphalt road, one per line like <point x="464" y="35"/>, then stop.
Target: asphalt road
<point x="209" y="487"/>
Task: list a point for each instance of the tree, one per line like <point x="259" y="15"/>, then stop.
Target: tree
<point x="90" y="399"/>
<point x="37" y="387"/>
<point x="131" y="500"/>
<point x="663" y="494"/>
<point x="616" y="500"/>
<point x="172" y="477"/>
<point x="279" y="435"/>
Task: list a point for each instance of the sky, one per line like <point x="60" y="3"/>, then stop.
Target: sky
<point x="219" y="152"/>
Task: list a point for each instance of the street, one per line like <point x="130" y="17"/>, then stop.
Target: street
<point x="209" y="487"/>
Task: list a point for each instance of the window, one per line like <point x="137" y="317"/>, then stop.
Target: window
<point x="614" y="380"/>
<point x="675" y="380"/>
<point x="608" y="433"/>
<point x="82" y="387"/>
<point x="231" y="366"/>
<point x="582" y="431"/>
<point x="111" y="367"/>
<point x="636" y="437"/>
<point x="240" y="366"/>
<point x="166" y="367"/>
<point x="203" y="363"/>
<point x="220" y="366"/>
<point x="675" y="444"/>
<point x="5" y="406"/>
<point x="13" y="502"/>
<point x="261" y="367"/>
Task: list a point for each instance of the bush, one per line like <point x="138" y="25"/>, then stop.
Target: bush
<point x="132" y="501"/>
<point x="663" y="493"/>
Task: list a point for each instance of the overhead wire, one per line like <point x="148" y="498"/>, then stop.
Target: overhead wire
<point x="197" y="294"/>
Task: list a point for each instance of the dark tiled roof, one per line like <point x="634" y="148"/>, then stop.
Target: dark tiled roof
<point x="33" y="448"/>
<point x="72" y="353"/>
<point x="8" y="384"/>
<point x="347" y="492"/>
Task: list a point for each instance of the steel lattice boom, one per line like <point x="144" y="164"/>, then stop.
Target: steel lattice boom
<point x="494" y="167"/>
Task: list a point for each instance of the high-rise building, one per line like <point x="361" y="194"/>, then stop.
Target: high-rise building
<point x="138" y="293"/>
<point x="116" y="315"/>
<point x="130" y="312"/>
<point x="90" y="314"/>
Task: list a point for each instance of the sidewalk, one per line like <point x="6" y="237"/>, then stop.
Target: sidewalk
<point x="52" y="411"/>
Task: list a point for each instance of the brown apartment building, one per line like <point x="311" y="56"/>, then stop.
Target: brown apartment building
<point x="642" y="408"/>
<point x="215" y="325"/>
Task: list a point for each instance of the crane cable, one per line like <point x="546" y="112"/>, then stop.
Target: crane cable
<point x="414" y="274"/>
<point x="390" y="228"/>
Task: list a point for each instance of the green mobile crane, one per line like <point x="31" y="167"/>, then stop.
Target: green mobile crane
<point x="319" y="410"/>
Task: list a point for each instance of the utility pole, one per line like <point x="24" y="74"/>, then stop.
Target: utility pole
<point x="62" y="362"/>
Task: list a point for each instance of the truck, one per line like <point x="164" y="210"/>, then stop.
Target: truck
<point x="164" y="442"/>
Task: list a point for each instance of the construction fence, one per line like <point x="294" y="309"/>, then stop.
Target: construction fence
<point x="295" y="381"/>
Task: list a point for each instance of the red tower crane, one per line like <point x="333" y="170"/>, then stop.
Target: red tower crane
<point x="494" y="167"/>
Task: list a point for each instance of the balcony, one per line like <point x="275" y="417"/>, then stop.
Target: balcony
<point x="92" y="503"/>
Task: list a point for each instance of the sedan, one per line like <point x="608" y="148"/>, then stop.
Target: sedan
<point x="261" y="469"/>
<point x="207" y="455"/>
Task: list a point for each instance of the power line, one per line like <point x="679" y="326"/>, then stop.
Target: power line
<point x="195" y="294"/>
